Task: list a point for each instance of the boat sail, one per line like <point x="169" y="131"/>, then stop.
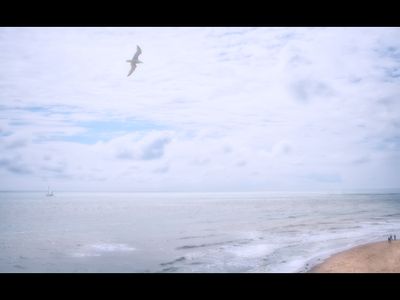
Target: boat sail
<point x="49" y="193"/>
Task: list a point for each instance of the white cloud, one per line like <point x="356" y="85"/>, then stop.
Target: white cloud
<point x="148" y="147"/>
<point x="214" y="108"/>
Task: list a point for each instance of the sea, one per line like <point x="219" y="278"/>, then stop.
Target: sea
<point x="73" y="232"/>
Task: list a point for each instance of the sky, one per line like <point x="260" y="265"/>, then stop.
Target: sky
<point x="210" y="109"/>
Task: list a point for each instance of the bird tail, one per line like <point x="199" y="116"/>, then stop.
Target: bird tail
<point x="129" y="61"/>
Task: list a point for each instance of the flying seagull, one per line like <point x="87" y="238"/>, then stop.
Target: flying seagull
<point x="135" y="60"/>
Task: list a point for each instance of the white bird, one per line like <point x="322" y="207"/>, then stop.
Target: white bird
<point x="135" y="60"/>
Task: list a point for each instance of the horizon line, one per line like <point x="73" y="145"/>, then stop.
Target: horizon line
<point x="355" y="190"/>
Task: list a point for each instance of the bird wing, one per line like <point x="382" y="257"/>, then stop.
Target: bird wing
<point x="132" y="69"/>
<point x="138" y="52"/>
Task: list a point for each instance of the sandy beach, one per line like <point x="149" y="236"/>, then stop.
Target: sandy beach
<point x="381" y="257"/>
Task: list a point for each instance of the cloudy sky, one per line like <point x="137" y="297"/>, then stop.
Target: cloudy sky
<point x="210" y="109"/>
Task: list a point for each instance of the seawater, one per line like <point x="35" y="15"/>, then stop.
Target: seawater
<point x="187" y="232"/>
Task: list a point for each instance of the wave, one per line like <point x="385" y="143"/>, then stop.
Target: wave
<point x="100" y="249"/>
<point x="170" y="269"/>
<point x="204" y="245"/>
<point x="196" y="236"/>
<point x="173" y="261"/>
<point x="238" y="242"/>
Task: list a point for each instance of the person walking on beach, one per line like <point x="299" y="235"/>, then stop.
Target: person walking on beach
<point x="390" y="238"/>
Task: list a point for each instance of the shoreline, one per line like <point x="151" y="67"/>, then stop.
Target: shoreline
<point x="377" y="257"/>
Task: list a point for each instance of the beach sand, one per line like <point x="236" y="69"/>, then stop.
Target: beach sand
<point x="381" y="257"/>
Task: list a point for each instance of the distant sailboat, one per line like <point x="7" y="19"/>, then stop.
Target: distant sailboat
<point x="49" y="193"/>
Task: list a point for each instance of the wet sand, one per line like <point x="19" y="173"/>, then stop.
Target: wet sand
<point x="381" y="257"/>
